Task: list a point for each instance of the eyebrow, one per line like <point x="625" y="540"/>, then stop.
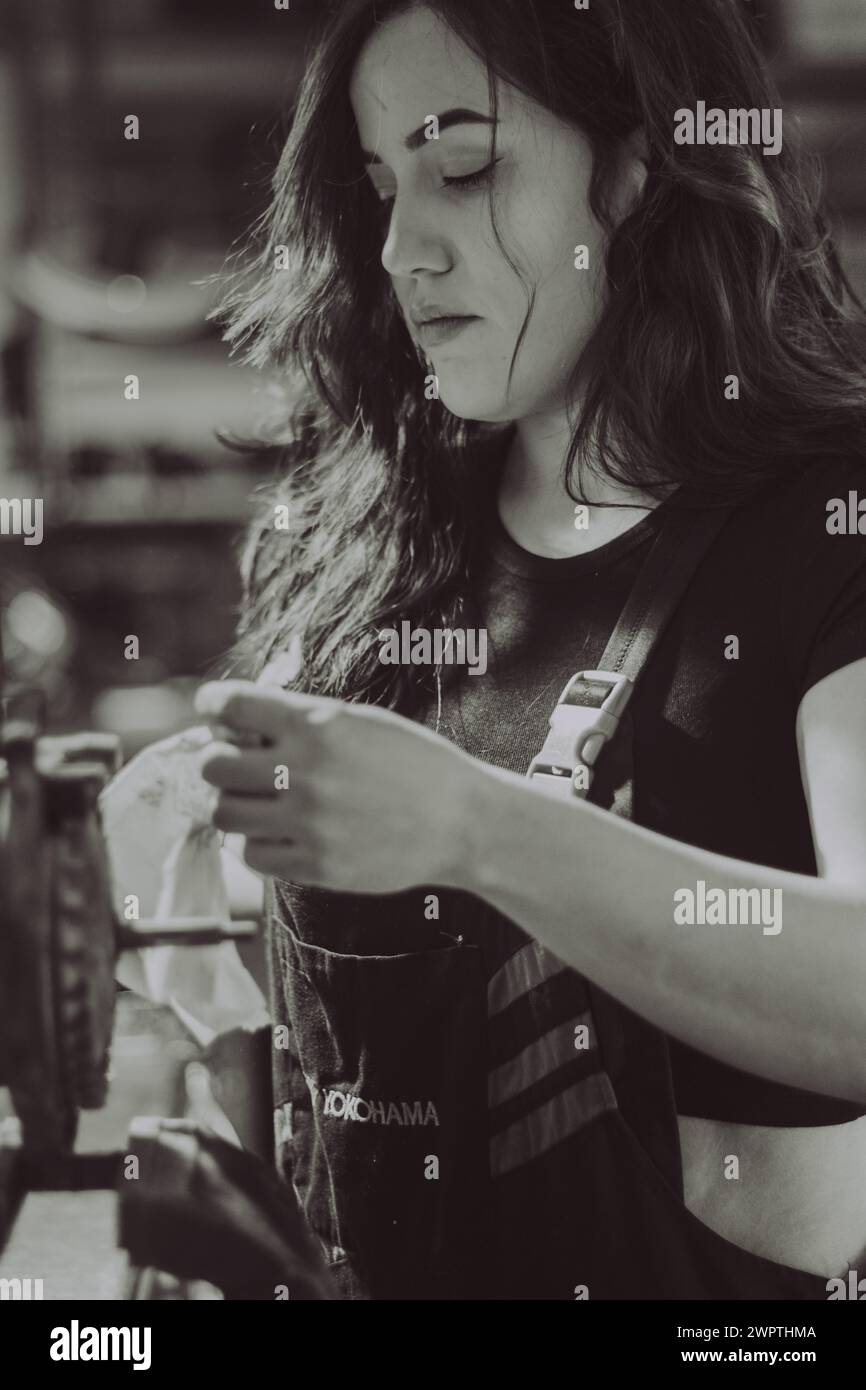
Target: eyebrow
<point x="457" y="115"/>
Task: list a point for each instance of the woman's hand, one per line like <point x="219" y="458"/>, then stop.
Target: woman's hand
<point x="343" y="796"/>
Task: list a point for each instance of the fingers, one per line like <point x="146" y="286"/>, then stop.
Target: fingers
<point x="280" y="859"/>
<point x="242" y="706"/>
<point x="250" y="708"/>
<point x="239" y="770"/>
<point x="263" y="817"/>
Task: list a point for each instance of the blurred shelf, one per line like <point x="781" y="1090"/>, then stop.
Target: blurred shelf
<point x="185" y="67"/>
<point x="836" y="80"/>
<point x="825" y="30"/>
<point x="219" y="497"/>
<point x="187" y="393"/>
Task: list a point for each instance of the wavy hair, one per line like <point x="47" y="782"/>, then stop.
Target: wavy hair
<point x="725" y="264"/>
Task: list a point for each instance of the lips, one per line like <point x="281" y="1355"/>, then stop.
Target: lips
<point x="436" y="331"/>
<point x="435" y="323"/>
<point x="421" y="314"/>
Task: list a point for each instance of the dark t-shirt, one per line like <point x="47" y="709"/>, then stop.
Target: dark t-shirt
<point x="715" y="755"/>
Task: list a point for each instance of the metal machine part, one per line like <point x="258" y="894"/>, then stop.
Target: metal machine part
<point x="59" y="943"/>
<point x="59" y="936"/>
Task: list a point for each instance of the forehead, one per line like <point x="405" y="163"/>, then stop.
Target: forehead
<point x="413" y="67"/>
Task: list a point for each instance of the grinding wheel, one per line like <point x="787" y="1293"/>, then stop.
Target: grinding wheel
<point x="58" y="939"/>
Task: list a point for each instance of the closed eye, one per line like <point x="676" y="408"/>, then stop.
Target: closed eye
<point x="476" y="180"/>
<point x="466" y="182"/>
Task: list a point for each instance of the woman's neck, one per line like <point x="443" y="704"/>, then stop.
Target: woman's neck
<point x="537" y="511"/>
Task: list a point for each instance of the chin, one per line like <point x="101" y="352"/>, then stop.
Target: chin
<point x="473" y="405"/>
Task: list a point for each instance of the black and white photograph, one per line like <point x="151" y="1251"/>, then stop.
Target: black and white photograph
<point x="432" y="672"/>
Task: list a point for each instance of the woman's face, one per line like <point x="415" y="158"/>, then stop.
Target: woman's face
<point x="438" y="242"/>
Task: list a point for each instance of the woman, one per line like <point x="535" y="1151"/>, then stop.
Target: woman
<point x="531" y="328"/>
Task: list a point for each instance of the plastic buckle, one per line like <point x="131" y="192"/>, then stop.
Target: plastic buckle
<point x="578" y="733"/>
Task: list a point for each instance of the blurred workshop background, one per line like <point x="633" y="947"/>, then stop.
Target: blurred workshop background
<point x="102" y="241"/>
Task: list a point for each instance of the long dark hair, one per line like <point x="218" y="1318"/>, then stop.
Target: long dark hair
<point x="724" y="265"/>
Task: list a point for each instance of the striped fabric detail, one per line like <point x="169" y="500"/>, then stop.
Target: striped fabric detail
<point x="524" y="970"/>
<point x="544" y="1076"/>
<point x="552" y="1122"/>
<point x="549" y="1052"/>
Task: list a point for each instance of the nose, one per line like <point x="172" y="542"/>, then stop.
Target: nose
<point x="413" y="243"/>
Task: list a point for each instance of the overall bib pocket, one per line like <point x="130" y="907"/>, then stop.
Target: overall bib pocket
<point x="389" y="1143"/>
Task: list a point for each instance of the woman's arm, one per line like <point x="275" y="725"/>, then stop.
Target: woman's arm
<point x="599" y="892"/>
<point x="355" y="798"/>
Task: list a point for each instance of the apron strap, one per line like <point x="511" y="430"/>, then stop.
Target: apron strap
<point x="633" y="1054"/>
<point x="590" y="708"/>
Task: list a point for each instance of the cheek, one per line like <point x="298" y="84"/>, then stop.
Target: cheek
<point x="560" y="250"/>
<point x="567" y="306"/>
<point x="545" y="240"/>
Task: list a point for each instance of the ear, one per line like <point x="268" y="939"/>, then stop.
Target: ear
<point x="637" y="146"/>
<point x="633" y="155"/>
